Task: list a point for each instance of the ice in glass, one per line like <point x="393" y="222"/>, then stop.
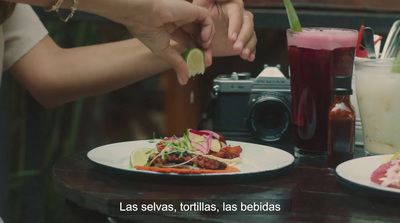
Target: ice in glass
<point x="316" y="56"/>
<point x="378" y="97"/>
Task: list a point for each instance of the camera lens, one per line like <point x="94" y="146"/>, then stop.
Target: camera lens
<point x="269" y="116"/>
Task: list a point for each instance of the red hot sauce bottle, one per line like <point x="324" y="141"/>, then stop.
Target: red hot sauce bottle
<point x="341" y="123"/>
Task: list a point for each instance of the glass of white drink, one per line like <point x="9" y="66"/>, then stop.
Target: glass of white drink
<point x="378" y="97"/>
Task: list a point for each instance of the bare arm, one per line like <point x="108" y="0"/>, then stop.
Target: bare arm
<point x="155" y="23"/>
<point x="55" y="76"/>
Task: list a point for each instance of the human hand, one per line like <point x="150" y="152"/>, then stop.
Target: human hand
<point x="234" y="23"/>
<point x="156" y="22"/>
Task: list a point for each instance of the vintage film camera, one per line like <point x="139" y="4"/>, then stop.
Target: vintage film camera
<point x="252" y="109"/>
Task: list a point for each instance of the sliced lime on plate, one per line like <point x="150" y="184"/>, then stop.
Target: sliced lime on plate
<point x="194" y="59"/>
<point x="139" y="157"/>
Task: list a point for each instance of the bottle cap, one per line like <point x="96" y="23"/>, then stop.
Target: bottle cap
<point x="342" y="85"/>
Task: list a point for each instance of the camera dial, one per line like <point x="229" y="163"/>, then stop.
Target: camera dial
<point x="269" y="116"/>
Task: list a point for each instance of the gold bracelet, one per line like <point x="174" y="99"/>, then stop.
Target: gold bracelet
<point x="56" y="8"/>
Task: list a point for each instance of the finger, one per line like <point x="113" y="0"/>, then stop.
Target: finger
<point x="207" y="50"/>
<point x="203" y="35"/>
<point x="207" y="57"/>
<point x="246" y="32"/>
<point x="183" y="38"/>
<point x="188" y="13"/>
<point x="202" y="3"/>
<point x="173" y="58"/>
<point x="235" y="22"/>
<point x="252" y="56"/>
<point x="249" y="51"/>
<point x="194" y="30"/>
<point x="207" y="35"/>
<point x="190" y="41"/>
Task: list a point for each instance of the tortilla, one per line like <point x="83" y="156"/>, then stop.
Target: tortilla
<point x="229" y="169"/>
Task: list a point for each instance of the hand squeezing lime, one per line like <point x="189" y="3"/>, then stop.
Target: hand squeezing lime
<point x="194" y="59"/>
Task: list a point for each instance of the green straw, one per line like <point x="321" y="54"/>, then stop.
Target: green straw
<point x="292" y="16"/>
<point x="396" y="67"/>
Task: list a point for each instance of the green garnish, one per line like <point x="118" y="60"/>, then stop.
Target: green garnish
<point x="395" y="156"/>
<point x="292" y="16"/>
<point x="154" y="138"/>
<point x="180" y="146"/>
<point x="396" y="64"/>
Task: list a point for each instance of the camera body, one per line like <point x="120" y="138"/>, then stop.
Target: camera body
<point x="258" y="108"/>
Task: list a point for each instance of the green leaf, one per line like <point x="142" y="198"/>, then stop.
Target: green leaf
<point x="398" y="153"/>
<point x="292" y="16"/>
<point x="396" y="64"/>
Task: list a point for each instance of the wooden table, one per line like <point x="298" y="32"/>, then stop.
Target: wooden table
<point x="313" y="190"/>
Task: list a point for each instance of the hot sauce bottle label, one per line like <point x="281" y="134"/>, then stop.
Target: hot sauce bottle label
<point x="341" y="123"/>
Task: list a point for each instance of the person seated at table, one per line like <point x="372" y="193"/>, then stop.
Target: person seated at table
<point x="162" y="30"/>
<point x="55" y="76"/>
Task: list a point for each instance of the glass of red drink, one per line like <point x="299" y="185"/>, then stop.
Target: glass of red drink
<point x="316" y="56"/>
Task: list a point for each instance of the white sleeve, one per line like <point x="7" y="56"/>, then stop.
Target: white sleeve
<point x="22" y="31"/>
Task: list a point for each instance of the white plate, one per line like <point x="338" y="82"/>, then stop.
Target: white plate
<point x="358" y="172"/>
<point x="256" y="158"/>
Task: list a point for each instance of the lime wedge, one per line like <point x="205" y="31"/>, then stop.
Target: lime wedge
<point x="139" y="157"/>
<point x="292" y="16"/>
<point x="194" y="59"/>
<point x="396" y="67"/>
<point x="395" y="156"/>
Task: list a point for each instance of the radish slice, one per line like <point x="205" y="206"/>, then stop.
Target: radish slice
<point x="199" y="147"/>
<point x="204" y="144"/>
<point x="174" y="139"/>
<point x="204" y="132"/>
<point x="388" y="174"/>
